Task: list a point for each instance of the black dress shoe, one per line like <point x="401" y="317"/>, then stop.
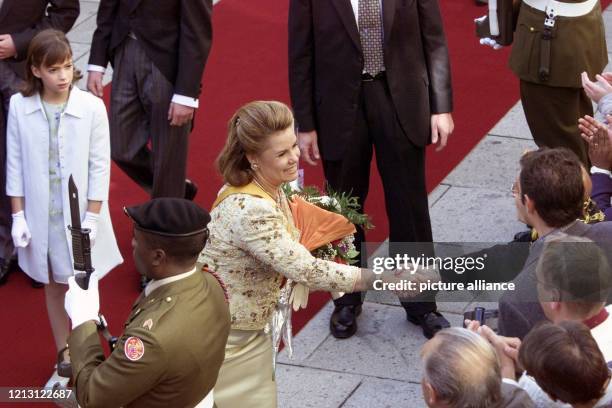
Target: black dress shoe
<point x="343" y="322"/>
<point x="36" y="284"/>
<point x="144" y="281"/>
<point x="191" y="189"/>
<point x="430" y="322"/>
<point x="5" y="269"/>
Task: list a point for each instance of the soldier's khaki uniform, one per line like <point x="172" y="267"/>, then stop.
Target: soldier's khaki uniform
<point x="182" y="327"/>
<point x="552" y="107"/>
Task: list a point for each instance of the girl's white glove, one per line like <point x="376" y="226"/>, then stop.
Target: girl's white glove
<point x="20" y="231"/>
<point x="91" y="221"/>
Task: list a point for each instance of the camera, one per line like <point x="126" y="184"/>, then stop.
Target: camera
<point x="483" y="316"/>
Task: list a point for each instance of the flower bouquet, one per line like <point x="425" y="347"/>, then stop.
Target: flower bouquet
<point x="326" y="224"/>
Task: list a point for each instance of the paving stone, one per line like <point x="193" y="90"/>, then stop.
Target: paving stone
<point x="493" y="164"/>
<point x="301" y="387"/>
<point x="475" y="215"/>
<point x="513" y="124"/>
<point x="84" y="31"/>
<point x="385" y="346"/>
<point x="87" y="9"/>
<point x="437" y="192"/>
<point x="79" y="51"/>
<point x="375" y="393"/>
<point x="310" y="337"/>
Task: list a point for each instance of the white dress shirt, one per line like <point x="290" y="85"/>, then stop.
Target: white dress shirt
<point x="154" y="284"/>
<point x="176" y="98"/>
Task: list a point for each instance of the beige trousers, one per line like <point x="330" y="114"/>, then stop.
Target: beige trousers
<point x="246" y="376"/>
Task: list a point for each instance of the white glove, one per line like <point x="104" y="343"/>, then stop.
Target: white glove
<point x="20" y="231"/>
<point x="91" y="221"/>
<point x="299" y="297"/>
<point x="491" y="43"/>
<point x="82" y="305"/>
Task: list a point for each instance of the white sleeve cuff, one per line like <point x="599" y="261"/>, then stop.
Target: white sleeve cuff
<point x="185" y="100"/>
<point x="95" y="68"/>
<point x="595" y="169"/>
<point x="510" y="381"/>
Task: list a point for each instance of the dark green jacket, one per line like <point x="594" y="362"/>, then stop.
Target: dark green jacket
<point x="578" y="44"/>
<point x="168" y="356"/>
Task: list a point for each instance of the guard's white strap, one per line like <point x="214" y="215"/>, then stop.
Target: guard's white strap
<point x="493" y="20"/>
<point x="563" y="9"/>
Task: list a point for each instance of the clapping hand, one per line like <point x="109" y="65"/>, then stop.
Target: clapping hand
<point x="597" y="90"/>
<point x="506" y="348"/>
<point x="599" y="138"/>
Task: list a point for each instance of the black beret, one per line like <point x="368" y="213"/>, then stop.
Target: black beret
<point x="169" y="217"/>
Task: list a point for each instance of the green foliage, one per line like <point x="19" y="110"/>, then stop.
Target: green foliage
<point x="340" y="203"/>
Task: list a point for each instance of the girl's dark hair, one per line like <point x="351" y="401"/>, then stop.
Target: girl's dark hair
<point x="49" y="47"/>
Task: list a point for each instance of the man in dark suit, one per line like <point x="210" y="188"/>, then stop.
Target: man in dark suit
<point x="364" y="75"/>
<point x="158" y="50"/>
<point x="20" y="21"/>
<point x="549" y="195"/>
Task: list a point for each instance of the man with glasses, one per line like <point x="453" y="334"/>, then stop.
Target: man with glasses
<point x="549" y="196"/>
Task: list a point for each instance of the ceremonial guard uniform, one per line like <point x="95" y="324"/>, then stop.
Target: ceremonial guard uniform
<point x="174" y="340"/>
<point x="554" y="42"/>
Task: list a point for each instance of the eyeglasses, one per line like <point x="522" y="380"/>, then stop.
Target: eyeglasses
<point x="514" y="189"/>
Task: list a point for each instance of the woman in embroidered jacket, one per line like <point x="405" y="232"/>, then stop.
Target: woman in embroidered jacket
<point x="254" y="246"/>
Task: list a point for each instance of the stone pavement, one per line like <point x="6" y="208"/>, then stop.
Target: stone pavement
<point x="379" y="366"/>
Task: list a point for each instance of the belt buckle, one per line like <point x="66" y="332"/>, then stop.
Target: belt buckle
<point x="551" y="15"/>
<point x="367" y="78"/>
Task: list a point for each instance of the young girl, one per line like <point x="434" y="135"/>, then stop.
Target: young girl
<point x="56" y="130"/>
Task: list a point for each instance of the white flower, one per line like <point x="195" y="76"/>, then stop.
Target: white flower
<point x="328" y="201"/>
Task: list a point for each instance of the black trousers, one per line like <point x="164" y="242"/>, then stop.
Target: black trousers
<point x="140" y="100"/>
<point x="401" y="165"/>
<point x="9" y="85"/>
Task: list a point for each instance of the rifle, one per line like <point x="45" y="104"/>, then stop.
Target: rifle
<point x="81" y="253"/>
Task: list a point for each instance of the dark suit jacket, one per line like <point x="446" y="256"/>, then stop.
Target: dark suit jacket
<point x="602" y="192"/>
<point x="175" y="34"/>
<point x="326" y="62"/>
<point x="520" y="310"/>
<point x="23" y="19"/>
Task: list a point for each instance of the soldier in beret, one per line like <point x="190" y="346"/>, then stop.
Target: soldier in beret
<point x="174" y="340"/>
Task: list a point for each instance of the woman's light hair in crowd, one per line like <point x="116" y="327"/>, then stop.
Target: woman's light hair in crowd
<point x="462" y="368"/>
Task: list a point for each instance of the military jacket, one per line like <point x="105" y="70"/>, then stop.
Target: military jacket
<point x="578" y="44"/>
<point x="168" y="356"/>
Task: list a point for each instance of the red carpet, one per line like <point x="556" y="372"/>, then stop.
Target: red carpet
<point x="249" y="61"/>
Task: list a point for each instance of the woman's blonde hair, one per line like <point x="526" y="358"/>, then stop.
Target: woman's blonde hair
<point x="247" y="132"/>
